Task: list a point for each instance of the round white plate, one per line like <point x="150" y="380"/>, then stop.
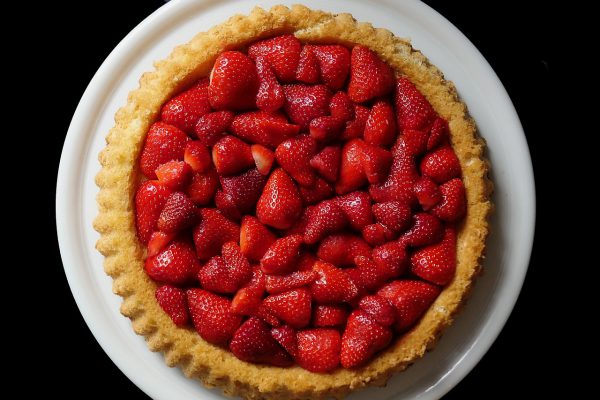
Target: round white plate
<point x="513" y="223"/>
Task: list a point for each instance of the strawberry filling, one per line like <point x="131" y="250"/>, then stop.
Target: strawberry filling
<point x="301" y="206"/>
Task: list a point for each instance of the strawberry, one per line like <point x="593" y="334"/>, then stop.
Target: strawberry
<point x="357" y="209"/>
<point x="270" y="94"/>
<point x="158" y="241"/>
<point x="438" y="134"/>
<point x="197" y="156"/>
<point x="327" y="162"/>
<point x="263" y="158"/>
<point x="231" y="156"/>
<point x="321" y="190"/>
<point x="412" y="108"/>
<point x="327" y="128"/>
<point x="367" y="275"/>
<point x="280" y="204"/>
<point x="164" y="143"/>
<point x="330" y="315"/>
<point x="281" y="256"/>
<point x="212" y="127"/>
<point x="282" y="52"/>
<point x="308" y="66"/>
<point x="379" y="309"/>
<point x="226" y="206"/>
<point x="244" y="189"/>
<point x="184" y="110"/>
<point x="410" y="298"/>
<point x="234" y="82"/>
<point x="380" y="129"/>
<point x="377" y="234"/>
<point x="203" y="186"/>
<point x="341" y="249"/>
<point x="436" y="263"/>
<point x="173" y="301"/>
<point x="425" y="229"/>
<point x="306" y="261"/>
<point x="150" y="199"/>
<point x="340" y="106"/>
<point x="176" y="264"/>
<point x="262" y="128"/>
<point x="393" y="214"/>
<point x="352" y="173"/>
<point x="305" y="103"/>
<point x="255" y="238"/>
<point x="293" y="155"/>
<point x="326" y="218"/>
<point x="179" y="213"/>
<point x="299" y="226"/>
<point x="267" y="316"/>
<point x="376" y="162"/>
<point x="427" y="193"/>
<point x="454" y="201"/>
<point x="355" y="128"/>
<point x="253" y="342"/>
<point x="334" y="64"/>
<point x="174" y="174"/>
<point x="248" y="299"/>
<point x="285" y="335"/>
<point x="362" y="338"/>
<point x="416" y="141"/>
<point x="441" y="165"/>
<point x="370" y="77"/>
<point x="281" y="283"/>
<point x="292" y="307"/>
<point x="333" y="285"/>
<point x="212" y="317"/>
<point x="319" y="349"/>
<point x="213" y="231"/>
<point x="392" y="258"/>
<point x="228" y="273"/>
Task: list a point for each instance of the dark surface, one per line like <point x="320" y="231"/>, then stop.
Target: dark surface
<point x="515" y="44"/>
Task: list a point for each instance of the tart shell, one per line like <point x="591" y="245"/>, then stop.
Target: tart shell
<point x="120" y="175"/>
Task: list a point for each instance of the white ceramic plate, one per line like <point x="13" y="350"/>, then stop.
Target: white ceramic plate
<point x="494" y="296"/>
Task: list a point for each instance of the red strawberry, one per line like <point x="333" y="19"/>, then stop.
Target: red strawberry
<point x="253" y="342"/>
<point x="158" y="241"/>
<point x="305" y="103"/>
<point x="212" y="317"/>
<point x="293" y="155"/>
<point x="334" y="64"/>
<point x="377" y="234"/>
<point x="179" y="213"/>
<point x="225" y="204"/>
<point x="436" y="263"/>
<point x="173" y="301"/>
<point x="370" y="76"/>
<point x="393" y="214"/>
<point x="367" y="275"/>
<point x="439" y="133"/>
<point x="244" y="189"/>
<point x="392" y="258"/>
<point x="380" y="129"/>
<point x="356" y="127"/>
<point x="379" y="309"/>
<point x="319" y="349"/>
<point x="285" y="335"/>
<point x="426" y="229"/>
<point x="263" y="158"/>
<point x="299" y="226"/>
<point x="281" y="283"/>
<point x="441" y="165"/>
<point x="212" y="126"/>
<point x="234" y="82"/>
<point x="326" y="218"/>
<point x="280" y="204"/>
<point x="333" y="285"/>
<point x="330" y="315"/>
<point x="231" y="155"/>
<point x="341" y="249"/>
<point x="176" y="264"/>
<point x="267" y="316"/>
<point x="416" y="141"/>
<point x="270" y="94"/>
<point x="412" y="108"/>
<point x="327" y="128"/>
<point x="340" y="106"/>
<point x="357" y="208"/>
<point x="327" y="162"/>
<point x="262" y="128"/>
<point x="228" y="273"/>
<point x="150" y="199"/>
<point x="454" y="201"/>
<point x="281" y="256"/>
<point x="376" y="162"/>
<point x="292" y="307"/>
<point x="197" y="156"/>
<point x="255" y="238"/>
<point x="410" y="298"/>
<point x="306" y="262"/>
<point x="203" y="186"/>
<point x="213" y="231"/>
<point x="352" y="173"/>
<point x="248" y="299"/>
<point x="427" y="193"/>
<point x="164" y="143"/>
<point x="362" y="338"/>
<point x="321" y="190"/>
<point x="282" y="52"/>
<point x="308" y="66"/>
<point x="184" y="110"/>
<point x="174" y="174"/>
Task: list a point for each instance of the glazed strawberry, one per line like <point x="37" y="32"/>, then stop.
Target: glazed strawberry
<point x="330" y="315"/>
<point x="228" y="273"/>
<point x="318" y="349"/>
<point x="259" y="127"/>
<point x="441" y="165"/>
<point x="263" y="158"/>
<point x="425" y="229"/>
<point x="285" y="335"/>
<point x="213" y="231"/>
<point x="454" y="201"/>
<point x="197" y="156"/>
<point x="410" y="298"/>
<point x="158" y="241"/>
<point x="438" y="134"/>
<point x="150" y="199"/>
<point x="380" y="129"/>
<point x="327" y="162"/>
<point x="174" y="174"/>
<point x="341" y="249"/>
<point x="234" y="82"/>
<point x="379" y="309"/>
<point x="253" y="342"/>
<point x="292" y="307"/>
<point x="203" y="187"/>
<point x="282" y="255"/>
<point x="280" y="204"/>
<point x="226" y="206"/>
<point x="173" y="301"/>
<point x="340" y="106"/>
<point x="308" y="66"/>
<point x="282" y="283"/>
<point x="164" y="143"/>
<point x="176" y="264"/>
<point x="393" y="214"/>
<point x="270" y="94"/>
<point x="184" y="110"/>
<point x="352" y="173"/>
<point x="367" y="275"/>
<point x="427" y="193"/>
<point x="244" y="189"/>
<point x="416" y="141"/>
<point x="267" y="316"/>
<point x="370" y="77"/>
<point x="248" y="299"/>
<point x="412" y="108"/>
<point x="294" y="155"/>
<point x="255" y="238"/>
<point x="282" y="52"/>
<point x="436" y="263"/>
<point x="334" y="64"/>
<point x="327" y="128"/>
<point x="305" y="103"/>
<point x="299" y="226"/>
<point x="179" y="213"/>
<point x="306" y="261"/>
<point x="231" y="156"/>
<point x="356" y="127"/>
<point x="362" y="338"/>
<point x="357" y="209"/>
<point x="333" y="285"/>
<point x="319" y="191"/>
<point x="376" y="162"/>
<point x="211" y="127"/>
<point x="377" y="234"/>
<point x="212" y="317"/>
<point x="326" y="218"/>
<point x="392" y="258"/>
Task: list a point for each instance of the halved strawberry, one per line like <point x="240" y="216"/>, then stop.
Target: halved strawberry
<point x="197" y="156"/>
<point x="330" y="315"/>
<point x="294" y="155"/>
<point x="244" y="189"/>
<point x="441" y="165"/>
<point x="426" y="229"/>
<point x="333" y="285"/>
<point x="362" y="338"/>
<point x="308" y="66"/>
<point x="379" y="309"/>
<point x="234" y="82"/>
<point x="292" y="307"/>
<point x="212" y="316"/>
<point x="281" y="256"/>
<point x="158" y="241"/>
<point x="212" y="126"/>
<point x="393" y="214"/>
<point x="263" y="158"/>
<point x="285" y="335"/>
<point x="263" y="128"/>
<point x="164" y="143"/>
<point x="334" y="64"/>
<point x="380" y="129"/>
<point x="227" y="273"/>
<point x="327" y="162"/>
<point x="376" y="162"/>
<point x="427" y="193"/>
<point x="212" y="232"/>
<point x="319" y="191"/>
<point x="319" y="349"/>
<point x="270" y="94"/>
<point x="248" y="299"/>
<point x="370" y="76"/>
<point x="282" y="52"/>
<point x="357" y="208"/>
<point x="327" y="128"/>
<point x="412" y="108"/>
<point x="341" y="249"/>
<point x="176" y="264"/>
<point x="355" y="128"/>
<point x="305" y="103"/>
<point x="174" y="174"/>
<point x="255" y="238"/>
<point x="340" y="106"/>
<point x="410" y="298"/>
<point x="203" y="186"/>
<point x="436" y="263"/>
<point x="253" y="342"/>
<point x="392" y="258"/>
<point x="377" y="234"/>
<point x="231" y="156"/>
<point x="184" y="110"/>
<point x="438" y="134"/>
<point x="150" y="199"/>
<point x="280" y="204"/>
<point x="282" y="283"/>
<point x="454" y="201"/>
<point x="173" y="302"/>
<point x="179" y="213"/>
<point x="352" y="173"/>
<point x="327" y="218"/>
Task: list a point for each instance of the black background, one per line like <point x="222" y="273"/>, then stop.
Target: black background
<point x="517" y="44"/>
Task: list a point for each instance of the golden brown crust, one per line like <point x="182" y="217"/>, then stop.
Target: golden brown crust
<point x="124" y="254"/>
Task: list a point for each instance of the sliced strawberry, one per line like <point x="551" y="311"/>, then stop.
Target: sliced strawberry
<point x="319" y="349"/>
<point x="333" y="285"/>
<point x="231" y="156"/>
<point x="380" y="129"/>
<point x="393" y="214"/>
<point x="263" y="128"/>
<point x="248" y="299"/>
<point x="416" y="141"/>
<point x="352" y="173"/>
<point x="362" y="338"/>
<point x="427" y="193"/>
<point x="282" y="52"/>
<point x="270" y="94"/>
<point x="377" y="234"/>
<point x="244" y="189"/>
<point x="308" y="66"/>
<point x="203" y="186"/>
<point x="392" y="258"/>
<point x="150" y="199"/>
<point x="327" y="162"/>
<point x="334" y="64"/>
<point x="282" y="255"/>
<point x="174" y="174"/>
<point x="228" y="273"/>
<point x="379" y="309"/>
<point x="212" y="127"/>
<point x="197" y="156"/>
<point x="441" y="165"/>
<point x="412" y="108"/>
<point x="410" y="298"/>
<point x="292" y="307"/>
<point x="305" y="103"/>
<point x="213" y="231"/>
<point x="327" y="128"/>
<point x="439" y="133"/>
<point x="263" y="158"/>
<point x="234" y="82"/>
<point x="179" y="213"/>
<point x="426" y="229"/>
<point x="341" y="249"/>
<point x="370" y="76"/>
<point x="326" y="219"/>
<point x="212" y="317"/>
<point x="280" y="204"/>
<point x="253" y="342"/>
<point x="282" y="283"/>
<point x="436" y="263"/>
<point x="454" y="201"/>
<point x="321" y="190"/>
<point x="164" y="143"/>
<point x="255" y="238"/>
<point x="340" y="106"/>
<point x="176" y="264"/>
<point x="294" y="155"/>
<point x="357" y="208"/>
<point x="285" y="335"/>
<point x="173" y="302"/>
<point x="355" y="128"/>
<point x="158" y="241"/>
<point x="376" y="162"/>
<point x="330" y="315"/>
<point x="184" y="110"/>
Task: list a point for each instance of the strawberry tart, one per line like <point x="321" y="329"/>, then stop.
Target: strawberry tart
<point x="293" y="205"/>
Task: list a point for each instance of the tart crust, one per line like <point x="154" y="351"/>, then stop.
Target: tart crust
<point x="124" y="254"/>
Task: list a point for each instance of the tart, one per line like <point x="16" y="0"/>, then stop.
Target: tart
<point x="293" y="205"/>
